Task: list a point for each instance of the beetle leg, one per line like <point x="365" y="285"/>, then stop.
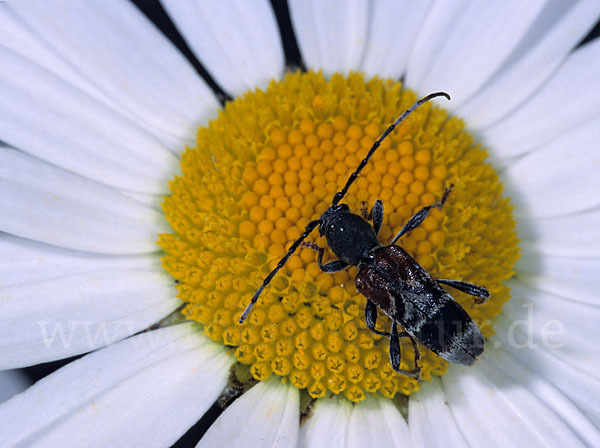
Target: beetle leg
<point x="377" y="214"/>
<point x="481" y="293"/>
<point x="332" y="266"/>
<point x="364" y="211"/>
<point x="416" y="352"/>
<point x="420" y="216"/>
<point x="395" y="354"/>
<point x="371" y="318"/>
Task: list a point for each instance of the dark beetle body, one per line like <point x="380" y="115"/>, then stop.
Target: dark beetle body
<point x="392" y="280"/>
<point x="401" y="288"/>
<point x="404" y="291"/>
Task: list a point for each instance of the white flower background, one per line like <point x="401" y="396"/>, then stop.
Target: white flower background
<point x="96" y="105"/>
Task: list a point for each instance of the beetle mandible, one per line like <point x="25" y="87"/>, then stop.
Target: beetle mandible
<point x="391" y="279"/>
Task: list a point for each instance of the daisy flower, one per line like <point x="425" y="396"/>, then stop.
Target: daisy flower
<point x="140" y="215"/>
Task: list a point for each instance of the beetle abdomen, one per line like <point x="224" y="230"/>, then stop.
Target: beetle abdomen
<point x="451" y="333"/>
<point x="404" y="291"/>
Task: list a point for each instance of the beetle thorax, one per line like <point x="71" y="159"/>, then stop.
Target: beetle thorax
<point x="348" y="235"/>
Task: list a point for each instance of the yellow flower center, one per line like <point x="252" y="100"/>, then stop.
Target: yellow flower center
<point x="271" y="163"/>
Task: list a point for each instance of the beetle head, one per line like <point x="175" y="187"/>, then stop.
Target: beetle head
<point x="330" y="214"/>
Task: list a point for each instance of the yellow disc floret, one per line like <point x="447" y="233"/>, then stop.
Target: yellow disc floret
<point x="271" y="163"/>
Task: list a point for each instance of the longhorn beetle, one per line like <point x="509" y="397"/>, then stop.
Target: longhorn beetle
<point x="391" y="279"/>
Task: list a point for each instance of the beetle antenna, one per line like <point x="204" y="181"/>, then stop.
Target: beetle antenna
<point x="339" y="195"/>
<point x="309" y="228"/>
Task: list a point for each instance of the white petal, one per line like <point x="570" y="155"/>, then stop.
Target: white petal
<point x="574" y="278"/>
<point x="376" y="422"/>
<point x="117" y="50"/>
<point x="430" y="421"/>
<point x="568" y="328"/>
<point x="54" y="206"/>
<point x="26" y="261"/>
<point x="569" y="378"/>
<point x="149" y="200"/>
<point x="331" y="35"/>
<point x="557" y="30"/>
<point x="327" y="424"/>
<point x="15" y="36"/>
<point x="45" y="116"/>
<point x="567" y="100"/>
<point x="393" y="27"/>
<point x="237" y="41"/>
<point x="12" y="382"/>
<point x="266" y="416"/>
<point x="549" y="395"/>
<point x="462" y="44"/>
<point x="494" y="409"/>
<point x="146" y="391"/>
<point x="575" y="234"/>
<point x="74" y="314"/>
<point x="560" y="178"/>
